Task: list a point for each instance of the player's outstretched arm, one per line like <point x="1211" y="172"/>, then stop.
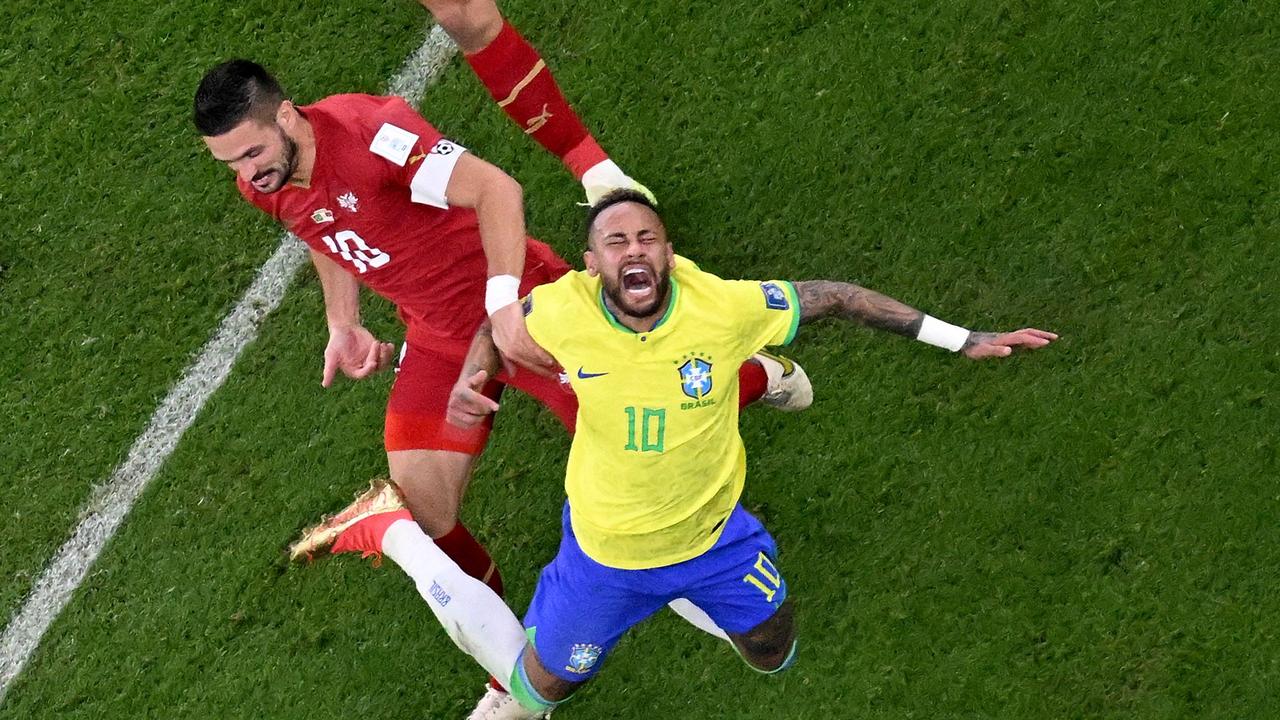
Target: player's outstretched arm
<point x="468" y="405"/>
<point x="829" y="298"/>
<point x="499" y="204"/>
<point x="351" y="348"/>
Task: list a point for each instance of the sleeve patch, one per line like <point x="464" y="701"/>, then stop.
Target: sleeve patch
<point x="393" y="143"/>
<point x="432" y="179"/>
<point x="527" y="304"/>
<point x="775" y="298"/>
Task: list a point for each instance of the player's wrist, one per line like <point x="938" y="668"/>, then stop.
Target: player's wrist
<point x="500" y="291"/>
<point x="342" y="327"/>
<point x="942" y="334"/>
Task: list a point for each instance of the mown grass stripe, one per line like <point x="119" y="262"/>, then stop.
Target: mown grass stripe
<point x="110" y="502"/>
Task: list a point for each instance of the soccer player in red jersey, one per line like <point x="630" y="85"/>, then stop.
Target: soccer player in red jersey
<point x="381" y="198"/>
<point x="520" y="82"/>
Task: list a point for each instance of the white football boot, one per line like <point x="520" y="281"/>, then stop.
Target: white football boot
<point x="499" y="705"/>
<point x="605" y="177"/>
<point x="789" y="388"/>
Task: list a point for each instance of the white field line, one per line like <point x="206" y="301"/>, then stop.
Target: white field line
<point x="110" y="503"/>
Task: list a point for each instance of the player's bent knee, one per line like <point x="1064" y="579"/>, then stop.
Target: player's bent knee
<point x="773" y="661"/>
<point x="472" y="24"/>
<point x="770" y="647"/>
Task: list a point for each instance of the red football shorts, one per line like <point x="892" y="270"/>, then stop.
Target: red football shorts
<point x="419" y="398"/>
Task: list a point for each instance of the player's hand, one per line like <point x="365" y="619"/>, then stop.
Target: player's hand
<point x="357" y="353"/>
<point x="468" y="406"/>
<point x="983" y="345"/>
<point x="514" y="343"/>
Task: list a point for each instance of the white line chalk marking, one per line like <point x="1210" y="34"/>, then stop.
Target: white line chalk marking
<point x="110" y="503"/>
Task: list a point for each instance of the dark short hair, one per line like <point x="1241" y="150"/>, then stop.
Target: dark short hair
<point x="232" y="92"/>
<point x="616" y="197"/>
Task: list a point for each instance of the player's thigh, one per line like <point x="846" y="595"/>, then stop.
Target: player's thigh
<point x="738" y="582"/>
<point x="472" y="24"/>
<point x="430" y="459"/>
<point x="417" y="407"/>
<point x="581" y="608"/>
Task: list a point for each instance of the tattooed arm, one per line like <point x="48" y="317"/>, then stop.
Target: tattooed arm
<point x="483" y="353"/>
<point x="468" y="405"/>
<point x="828" y="298"/>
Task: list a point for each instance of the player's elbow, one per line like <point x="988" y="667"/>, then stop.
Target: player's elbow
<point x="509" y="188"/>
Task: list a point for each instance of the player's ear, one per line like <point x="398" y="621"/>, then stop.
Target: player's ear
<point x="286" y="114"/>
<point x="671" y="257"/>
<point x="589" y="259"/>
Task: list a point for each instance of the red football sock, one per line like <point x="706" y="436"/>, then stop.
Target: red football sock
<point x="520" y="82"/>
<point x="752" y="383"/>
<point x="470" y="556"/>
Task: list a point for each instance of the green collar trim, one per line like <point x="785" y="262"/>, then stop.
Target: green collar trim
<point x="608" y="314"/>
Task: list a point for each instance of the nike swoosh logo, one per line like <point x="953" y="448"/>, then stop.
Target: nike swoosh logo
<point x="587" y="376"/>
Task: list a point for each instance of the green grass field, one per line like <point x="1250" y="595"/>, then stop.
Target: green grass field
<point x="1092" y="531"/>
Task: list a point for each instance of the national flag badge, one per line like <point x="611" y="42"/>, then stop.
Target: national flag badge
<point x="775" y="298"/>
<point x="323" y="215"/>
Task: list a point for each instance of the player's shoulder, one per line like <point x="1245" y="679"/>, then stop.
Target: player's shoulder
<point x="383" y="125"/>
<point x="359" y="109"/>
<point x="732" y="295"/>
<point x="563" y="296"/>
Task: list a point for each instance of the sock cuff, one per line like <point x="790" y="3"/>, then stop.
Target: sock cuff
<point x="523" y="690"/>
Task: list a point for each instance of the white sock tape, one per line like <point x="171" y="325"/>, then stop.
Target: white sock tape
<point x="941" y="334"/>
<point x="501" y="291"/>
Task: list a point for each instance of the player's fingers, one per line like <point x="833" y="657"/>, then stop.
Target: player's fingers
<point x="330" y="368"/>
<point x="477" y="381"/>
<point x="534" y="358"/>
<point x="542" y="357"/>
<point x="988" y="350"/>
<point x="386" y="355"/>
<point x="367" y="367"/>
<point x="509" y="366"/>
<point x="1024" y="338"/>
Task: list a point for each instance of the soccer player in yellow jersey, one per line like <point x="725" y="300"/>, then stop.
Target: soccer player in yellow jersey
<point x="651" y="345"/>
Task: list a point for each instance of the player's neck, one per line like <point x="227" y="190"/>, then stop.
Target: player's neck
<point x="636" y="323"/>
<point x="305" y="138"/>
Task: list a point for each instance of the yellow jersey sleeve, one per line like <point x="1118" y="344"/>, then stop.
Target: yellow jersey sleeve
<point x="765" y="312"/>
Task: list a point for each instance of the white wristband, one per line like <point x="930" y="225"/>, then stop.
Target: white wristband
<point x="501" y="291"/>
<point x="941" y="334"/>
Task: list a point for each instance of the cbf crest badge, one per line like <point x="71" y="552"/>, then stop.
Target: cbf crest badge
<point x="583" y="657"/>
<point x="695" y="378"/>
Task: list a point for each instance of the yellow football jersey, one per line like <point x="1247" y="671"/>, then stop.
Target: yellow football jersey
<point x="657" y="463"/>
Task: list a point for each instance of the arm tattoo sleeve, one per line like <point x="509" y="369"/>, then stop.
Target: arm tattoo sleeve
<point x="826" y="298"/>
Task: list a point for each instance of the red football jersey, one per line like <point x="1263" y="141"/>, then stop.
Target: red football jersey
<point x="377" y="207"/>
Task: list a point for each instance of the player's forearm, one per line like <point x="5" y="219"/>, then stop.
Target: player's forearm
<point x="341" y="293"/>
<point x="483" y="353"/>
<point x="829" y="298"/>
<point x="500" y="215"/>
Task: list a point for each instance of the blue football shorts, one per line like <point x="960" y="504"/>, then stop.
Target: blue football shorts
<point x="581" y="608"/>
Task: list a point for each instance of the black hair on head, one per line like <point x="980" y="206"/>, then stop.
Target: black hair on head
<point x="615" y="197"/>
<point x="232" y="92"/>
